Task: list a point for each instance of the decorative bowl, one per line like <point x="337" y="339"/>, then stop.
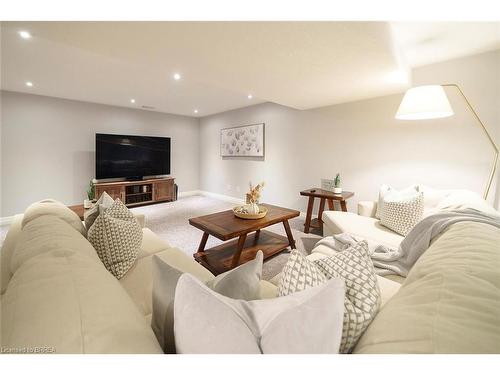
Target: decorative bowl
<point x="240" y="211"/>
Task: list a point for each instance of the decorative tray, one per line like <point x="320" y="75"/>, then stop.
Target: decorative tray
<point x="241" y="212"/>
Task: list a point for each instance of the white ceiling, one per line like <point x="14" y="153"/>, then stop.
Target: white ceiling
<point x="298" y="64"/>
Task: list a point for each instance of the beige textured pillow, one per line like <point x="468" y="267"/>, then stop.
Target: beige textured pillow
<point x="403" y="214"/>
<point x="303" y="322"/>
<point x="243" y="282"/>
<point x="388" y="193"/>
<point x="116" y="236"/>
<point x="362" y="298"/>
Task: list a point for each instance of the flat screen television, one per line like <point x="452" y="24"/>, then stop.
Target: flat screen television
<point x="131" y="156"/>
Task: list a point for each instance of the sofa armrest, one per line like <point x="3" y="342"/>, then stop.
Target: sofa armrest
<point x="367" y="208"/>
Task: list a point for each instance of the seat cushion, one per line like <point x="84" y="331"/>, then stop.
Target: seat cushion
<point x="138" y="281"/>
<point x="367" y="228"/>
<point x="449" y="302"/>
<point x="66" y="301"/>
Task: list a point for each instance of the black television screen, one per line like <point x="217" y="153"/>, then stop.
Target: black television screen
<point x="131" y="156"/>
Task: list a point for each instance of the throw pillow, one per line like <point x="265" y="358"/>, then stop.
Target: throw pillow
<point x="298" y="274"/>
<point x="402" y="215"/>
<point x="305" y="322"/>
<point x="389" y="193"/>
<point x="104" y="202"/>
<point x="362" y="298"/>
<point x="116" y="236"/>
<point x="242" y="282"/>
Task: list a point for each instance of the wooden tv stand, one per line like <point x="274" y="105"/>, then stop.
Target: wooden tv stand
<point x="136" y="193"/>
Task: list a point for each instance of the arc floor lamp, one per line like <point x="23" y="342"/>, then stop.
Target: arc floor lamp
<point x="430" y="102"/>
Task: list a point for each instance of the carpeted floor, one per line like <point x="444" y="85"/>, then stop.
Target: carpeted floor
<point x="170" y="222"/>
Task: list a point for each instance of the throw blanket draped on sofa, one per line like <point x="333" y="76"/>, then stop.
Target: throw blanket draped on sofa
<point x="399" y="261"/>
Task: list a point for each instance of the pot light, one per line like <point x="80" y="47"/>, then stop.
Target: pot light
<point x="24" y="34"/>
<point x="132" y="101"/>
<point x="29" y="84"/>
<point x="195" y="111"/>
<point x="250" y="96"/>
<point x="177" y="76"/>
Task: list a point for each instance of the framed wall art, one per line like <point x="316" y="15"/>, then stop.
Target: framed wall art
<point x="245" y="140"/>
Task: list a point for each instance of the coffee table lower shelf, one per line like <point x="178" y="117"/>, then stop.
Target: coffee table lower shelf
<point x="218" y="259"/>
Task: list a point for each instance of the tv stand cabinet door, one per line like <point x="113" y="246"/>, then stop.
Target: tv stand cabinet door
<point x="113" y="191"/>
<point x="163" y="190"/>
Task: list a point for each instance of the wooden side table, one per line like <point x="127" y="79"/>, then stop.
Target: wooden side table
<point x="79" y="210"/>
<point x="323" y="195"/>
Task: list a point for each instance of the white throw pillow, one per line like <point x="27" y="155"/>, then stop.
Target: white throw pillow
<point x="242" y="282"/>
<point x="303" y="322"/>
<point x="403" y="214"/>
<point x="105" y="201"/>
<point x="362" y="298"/>
<point x="387" y="192"/>
<point x="116" y="236"/>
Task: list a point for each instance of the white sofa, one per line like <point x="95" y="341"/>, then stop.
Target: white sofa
<point x="57" y="295"/>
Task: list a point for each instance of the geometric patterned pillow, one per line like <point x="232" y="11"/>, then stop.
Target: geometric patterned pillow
<point x="402" y="215"/>
<point x="362" y="293"/>
<point x="116" y="236"/>
<point x="299" y="274"/>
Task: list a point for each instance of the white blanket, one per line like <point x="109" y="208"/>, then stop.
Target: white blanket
<point x="400" y="260"/>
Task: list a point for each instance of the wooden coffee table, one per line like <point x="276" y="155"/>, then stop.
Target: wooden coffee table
<point x="225" y="226"/>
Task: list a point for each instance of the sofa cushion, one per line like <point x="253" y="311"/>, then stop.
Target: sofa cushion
<point x="104" y="201"/>
<point x="298" y="274"/>
<point x="53" y="208"/>
<point x="66" y="301"/>
<point x="303" y="322"/>
<point x="388" y="193"/>
<point x="367" y="228"/>
<point x="47" y="233"/>
<point x="449" y="302"/>
<point x="138" y="281"/>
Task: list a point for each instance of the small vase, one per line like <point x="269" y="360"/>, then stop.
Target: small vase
<point x="337" y="190"/>
<point x="87" y="203"/>
<point x="253" y="208"/>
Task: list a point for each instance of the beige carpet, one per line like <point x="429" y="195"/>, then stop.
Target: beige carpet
<point x="170" y="222"/>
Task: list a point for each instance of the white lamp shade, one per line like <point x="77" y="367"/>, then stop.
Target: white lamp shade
<point x="424" y="102"/>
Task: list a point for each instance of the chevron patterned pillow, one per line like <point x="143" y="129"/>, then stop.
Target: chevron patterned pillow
<point x="116" y="236"/>
<point x="362" y="298"/>
<point x="298" y="274"/>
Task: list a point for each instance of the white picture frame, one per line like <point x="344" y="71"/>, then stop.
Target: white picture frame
<point x="242" y="141"/>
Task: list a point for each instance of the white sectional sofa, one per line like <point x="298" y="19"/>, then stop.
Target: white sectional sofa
<point x="57" y="296"/>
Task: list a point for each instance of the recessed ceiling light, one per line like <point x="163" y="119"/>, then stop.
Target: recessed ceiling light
<point x="250" y="96"/>
<point x="29" y="84"/>
<point x="195" y="111"/>
<point x="177" y="76"/>
<point x="24" y="34"/>
<point x="132" y="101"/>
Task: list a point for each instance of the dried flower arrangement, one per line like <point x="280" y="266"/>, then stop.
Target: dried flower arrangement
<point x="253" y="196"/>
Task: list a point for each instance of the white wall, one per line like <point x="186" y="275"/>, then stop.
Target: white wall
<point x="363" y="142"/>
<point x="48" y="146"/>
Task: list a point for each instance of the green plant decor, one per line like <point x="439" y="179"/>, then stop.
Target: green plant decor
<point x="337" y="180"/>
<point x="91" y="191"/>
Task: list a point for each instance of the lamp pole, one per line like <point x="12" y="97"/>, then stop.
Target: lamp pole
<point x="493" y="144"/>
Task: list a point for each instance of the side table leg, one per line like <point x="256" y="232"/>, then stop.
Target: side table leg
<point x="237" y="254"/>
<point x="331" y="206"/>
<point x="343" y="205"/>
<point x="320" y="213"/>
<point x="288" y="231"/>
<point x="307" y="224"/>
<point x="203" y="242"/>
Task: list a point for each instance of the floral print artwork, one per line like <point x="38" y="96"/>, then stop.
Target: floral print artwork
<point x="243" y="141"/>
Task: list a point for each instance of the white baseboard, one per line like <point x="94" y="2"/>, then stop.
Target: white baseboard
<point x="190" y="193"/>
